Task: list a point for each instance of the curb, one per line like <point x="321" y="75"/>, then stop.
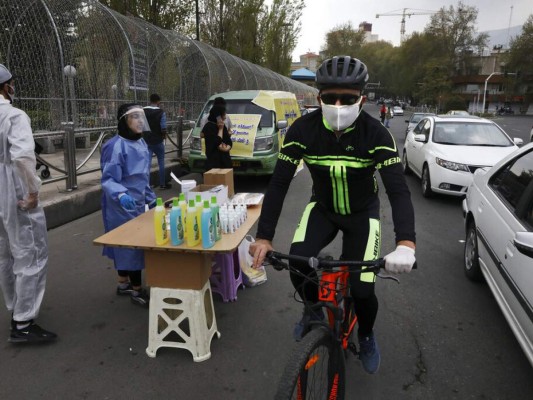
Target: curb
<point x="86" y="200"/>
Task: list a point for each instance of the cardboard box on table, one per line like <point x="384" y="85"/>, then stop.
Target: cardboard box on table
<point x="220" y="176"/>
<point x="207" y="191"/>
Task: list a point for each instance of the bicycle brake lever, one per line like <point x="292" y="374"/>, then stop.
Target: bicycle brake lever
<point x="389" y="277"/>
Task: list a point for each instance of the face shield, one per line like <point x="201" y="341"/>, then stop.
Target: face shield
<point x="136" y="120"/>
<point x="132" y="123"/>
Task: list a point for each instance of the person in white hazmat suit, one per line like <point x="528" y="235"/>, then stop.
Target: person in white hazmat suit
<point x="23" y="237"/>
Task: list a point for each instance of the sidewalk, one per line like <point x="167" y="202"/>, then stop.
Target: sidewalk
<point x="62" y="206"/>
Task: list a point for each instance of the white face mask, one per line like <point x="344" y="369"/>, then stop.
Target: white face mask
<point x="341" y="117"/>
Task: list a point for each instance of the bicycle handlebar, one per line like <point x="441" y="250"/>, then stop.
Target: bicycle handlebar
<point x="276" y="258"/>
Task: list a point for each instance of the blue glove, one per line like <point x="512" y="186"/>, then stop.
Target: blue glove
<point x="127" y="202"/>
<point x="152" y="204"/>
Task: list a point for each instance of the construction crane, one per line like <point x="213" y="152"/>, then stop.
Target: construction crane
<point x="405" y="12"/>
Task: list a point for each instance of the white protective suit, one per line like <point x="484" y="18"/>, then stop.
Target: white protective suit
<point x="23" y="237"/>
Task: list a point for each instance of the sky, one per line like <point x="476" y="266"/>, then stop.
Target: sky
<point x="321" y="16"/>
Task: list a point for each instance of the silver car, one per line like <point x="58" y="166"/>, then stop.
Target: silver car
<point x="498" y="211"/>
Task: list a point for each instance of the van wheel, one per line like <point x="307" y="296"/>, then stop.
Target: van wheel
<point x="426" y="182"/>
<point x="471" y="267"/>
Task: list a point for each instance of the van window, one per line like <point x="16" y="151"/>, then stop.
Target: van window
<point x="242" y="107"/>
<point x="247" y="107"/>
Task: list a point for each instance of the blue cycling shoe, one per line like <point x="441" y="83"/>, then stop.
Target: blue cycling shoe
<point x="298" y="332"/>
<point x="369" y="354"/>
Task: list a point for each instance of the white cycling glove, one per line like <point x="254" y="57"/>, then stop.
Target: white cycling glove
<point x="400" y="260"/>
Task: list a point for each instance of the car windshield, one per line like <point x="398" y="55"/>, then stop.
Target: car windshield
<point x="470" y="134"/>
<point x="243" y="107"/>
<point x="416" y="118"/>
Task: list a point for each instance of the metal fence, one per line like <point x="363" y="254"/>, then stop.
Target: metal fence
<point x="77" y="61"/>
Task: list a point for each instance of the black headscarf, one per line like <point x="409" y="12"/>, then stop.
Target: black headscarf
<point x="216" y="111"/>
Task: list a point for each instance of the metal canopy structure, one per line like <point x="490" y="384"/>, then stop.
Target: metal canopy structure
<point x="78" y="61"/>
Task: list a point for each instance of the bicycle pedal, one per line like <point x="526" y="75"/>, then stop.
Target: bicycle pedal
<point x="353" y="349"/>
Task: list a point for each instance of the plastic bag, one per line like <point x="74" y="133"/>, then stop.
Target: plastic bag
<point x="250" y="276"/>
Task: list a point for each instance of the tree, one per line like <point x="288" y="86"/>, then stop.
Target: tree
<point x="343" y="40"/>
<point x="454" y="37"/>
<point x="520" y="58"/>
<point x="167" y="14"/>
<point x="281" y="28"/>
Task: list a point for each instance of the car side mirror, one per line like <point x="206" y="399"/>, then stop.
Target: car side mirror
<point x="524" y="243"/>
<point x="282" y="124"/>
<point x="420" y="138"/>
<point x="407" y="120"/>
<point x="519" y="142"/>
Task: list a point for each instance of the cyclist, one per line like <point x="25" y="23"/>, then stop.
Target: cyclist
<point x="342" y="146"/>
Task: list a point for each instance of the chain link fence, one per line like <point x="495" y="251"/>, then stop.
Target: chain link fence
<point x="75" y="62"/>
<point x="78" y="61"/>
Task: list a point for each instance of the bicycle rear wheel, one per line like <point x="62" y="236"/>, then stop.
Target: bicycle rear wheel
<point x="315" y="370"/>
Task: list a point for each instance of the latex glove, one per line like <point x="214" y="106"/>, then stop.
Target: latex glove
<point x="127" y="202"/>
<point x="400" y="260"/>
<point x="152" y="204"/>
<point x="29" y="202"/>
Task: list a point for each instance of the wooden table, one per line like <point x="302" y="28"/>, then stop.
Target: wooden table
<point x="184" y="270"/>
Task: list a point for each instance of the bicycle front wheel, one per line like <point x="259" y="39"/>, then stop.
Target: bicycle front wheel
<point x="315" y="370"/>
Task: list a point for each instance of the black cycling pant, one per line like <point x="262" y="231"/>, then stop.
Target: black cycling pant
<point x="360" y="241"/>
<point x="135" y="276"/>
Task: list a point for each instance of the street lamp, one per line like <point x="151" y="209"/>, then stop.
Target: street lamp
<point x="485" y="91"/>
<point x="70" y="72"/>
<point x="487" y="80"/>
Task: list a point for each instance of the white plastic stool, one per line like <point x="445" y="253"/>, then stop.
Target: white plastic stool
<point x="182" y="318"/>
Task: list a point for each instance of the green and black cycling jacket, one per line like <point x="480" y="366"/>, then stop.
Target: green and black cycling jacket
<point x="342" y="169"/>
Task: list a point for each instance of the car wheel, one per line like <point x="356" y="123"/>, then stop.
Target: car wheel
<point x="472" y="269"/>
<point x="405" y="164"/>
<point x="426" y="182"/>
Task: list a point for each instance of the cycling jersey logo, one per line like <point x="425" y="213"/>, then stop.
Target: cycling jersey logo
<point x="350" y="148"/>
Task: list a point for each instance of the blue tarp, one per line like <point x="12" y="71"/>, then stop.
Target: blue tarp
<point x="303" y="73"/>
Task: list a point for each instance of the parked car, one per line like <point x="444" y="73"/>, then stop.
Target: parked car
<point x="457" y="112"/>
<point x="444" y="151"/>
<point x="397" y="110"/>
<point x="498" y="211"/>
<point x="414" y="120"/>
<point x="531" y="135"/>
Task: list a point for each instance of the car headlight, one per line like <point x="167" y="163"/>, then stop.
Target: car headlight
<point x="196" y="144"/>
<point x="451" y="165"/>
<point x="263" y="143"/>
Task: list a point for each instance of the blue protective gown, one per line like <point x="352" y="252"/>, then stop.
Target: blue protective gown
<point x="125" y="169"/>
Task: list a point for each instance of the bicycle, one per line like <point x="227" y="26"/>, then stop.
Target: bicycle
<point x="316" y="367"/>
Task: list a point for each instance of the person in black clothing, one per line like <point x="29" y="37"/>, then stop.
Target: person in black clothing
<point x="217" y="139"/>
<point x="157" y="119"/>
<point x="342" y="146"/>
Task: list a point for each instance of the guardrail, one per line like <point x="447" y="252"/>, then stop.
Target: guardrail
<point x="68" y="136"/>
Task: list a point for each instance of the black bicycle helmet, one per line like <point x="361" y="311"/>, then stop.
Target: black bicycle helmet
<point x="342" y="71"/>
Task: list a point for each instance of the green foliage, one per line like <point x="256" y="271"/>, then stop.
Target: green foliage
<point x="453" y="35"/>
<point x="521" y="57"/>
<point x="167" y="14"/>
<point x="454" y="103"/>
<point x="343" y="40"/>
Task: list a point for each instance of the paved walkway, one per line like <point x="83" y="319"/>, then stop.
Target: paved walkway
<point x="62" y="206"/>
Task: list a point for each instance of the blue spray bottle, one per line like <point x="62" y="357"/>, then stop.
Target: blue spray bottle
<point x="176" y="224"/>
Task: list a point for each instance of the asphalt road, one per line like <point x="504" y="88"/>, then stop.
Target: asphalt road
<point x="441" y="336"/>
